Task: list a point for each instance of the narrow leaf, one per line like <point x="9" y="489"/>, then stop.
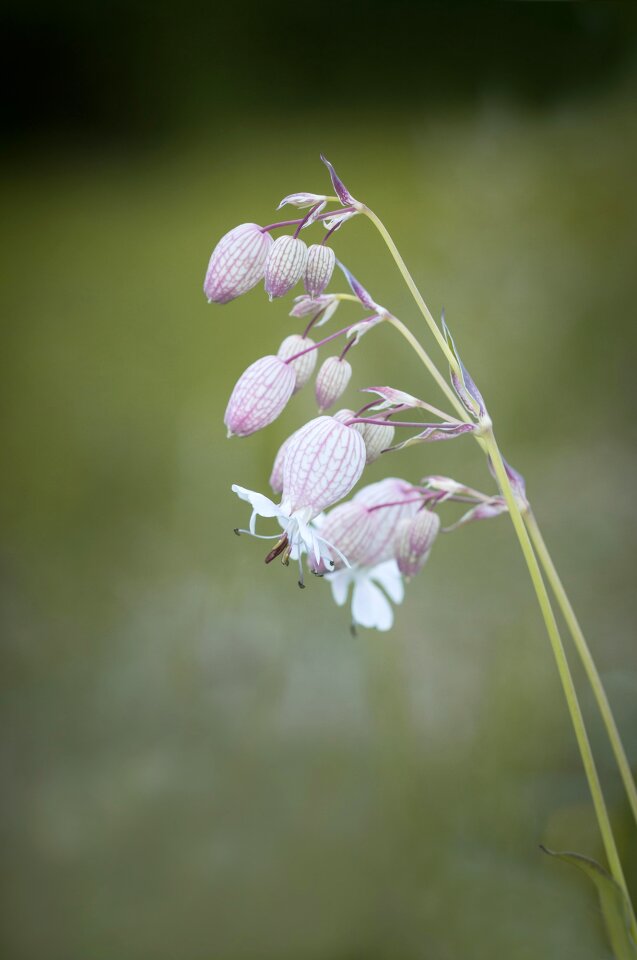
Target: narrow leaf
<point x="612" y="899"/>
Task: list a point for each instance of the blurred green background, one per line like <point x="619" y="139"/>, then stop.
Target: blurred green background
<point x="198" y="760"/>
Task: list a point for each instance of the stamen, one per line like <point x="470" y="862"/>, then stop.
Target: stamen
<point x="276" y="551"/>
<point x="259" y="536"/>
<point x="353" y="630"/>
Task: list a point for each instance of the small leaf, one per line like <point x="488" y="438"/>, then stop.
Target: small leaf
<point x="615" y="909"/>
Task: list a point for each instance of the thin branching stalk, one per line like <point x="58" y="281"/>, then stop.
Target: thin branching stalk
<point x="586" y="657"/>
<point x="488" y="442"/>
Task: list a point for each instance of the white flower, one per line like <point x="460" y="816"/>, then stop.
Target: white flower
<point x="370" y="606"/>
<point x="298" y="536"/>
<point x="322" y="462"/>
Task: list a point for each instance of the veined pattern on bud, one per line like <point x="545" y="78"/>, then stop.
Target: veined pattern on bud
<point x="345" y="415"/>
<point x="284" y="266"/>
<point x="303" y="366"/>
<point x="404" y="500"/>
<point x="331" y="381"/>
<point x="323" y="462"/>
<point x="259" y="396"/>
<point x="237" y="263"/>
<point x="377" y="438"/>
<point x="318" y="269"/>
<point x="413" y="541"/>
<point x="346" y="526"/>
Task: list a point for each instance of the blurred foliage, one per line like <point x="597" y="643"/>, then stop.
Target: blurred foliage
<point x="199" y="761"/>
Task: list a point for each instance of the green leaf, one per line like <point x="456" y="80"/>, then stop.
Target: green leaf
<point x="615" y="908"/>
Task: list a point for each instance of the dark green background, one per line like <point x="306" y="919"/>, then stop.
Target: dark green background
<point x="198" y="760"/>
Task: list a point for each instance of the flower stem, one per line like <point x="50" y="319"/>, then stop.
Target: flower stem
<point x="563" y="669"/>
<point x="415" y="292"/>
<point x="586" y="657"/>
<point x="487" y="441"/>
<point x="430" y="365"/>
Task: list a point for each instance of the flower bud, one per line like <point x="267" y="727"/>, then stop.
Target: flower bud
<point x="346" y="528"/>
<point x="395" y="500"/>
<point x="285" y="265"/>
<point x="323" y="461"/>
<point x="259" y="396"/>
<point x="377" y="438"/>
<point x="331" y="381"/>
<point x="344" y="416"/>
<point x="319" y="269"/>
<point x="237" y="263"/>
<point x="303" y="366"/>
<point x="413" y="541"/>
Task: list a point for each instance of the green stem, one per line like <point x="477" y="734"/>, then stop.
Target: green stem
<point x="424" y="357"/>
<point x="563" y="669"/>
<point x="487" y="441"/>
<point x="586" y="657"/>
<point x="415" y="292"/>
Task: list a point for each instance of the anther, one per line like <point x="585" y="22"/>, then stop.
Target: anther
<point x="237" y="531"/>
<point x="276" y="551"/>
<point x="301" y="585"/>
<point x="353" y="630"/>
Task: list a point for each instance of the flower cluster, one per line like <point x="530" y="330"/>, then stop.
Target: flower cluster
<point x="383" y="535"/>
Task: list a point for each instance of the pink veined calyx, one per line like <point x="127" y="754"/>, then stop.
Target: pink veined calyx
<point x="369" y="546"/>
<point x="323" y="461"/>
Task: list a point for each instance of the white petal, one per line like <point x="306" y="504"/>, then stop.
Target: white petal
<point x="388" y="576"/>
<point x="370" y="606"/>
<point x="339" y="582"/>
<point x="261" y="506"/>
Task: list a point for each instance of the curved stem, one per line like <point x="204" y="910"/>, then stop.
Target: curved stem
<point x="586" y="657"/>
<point x="430" y="365"/>
<point x="563" y="670"/>
<point x="415" y="292"/>
<point x="488" y="443"/>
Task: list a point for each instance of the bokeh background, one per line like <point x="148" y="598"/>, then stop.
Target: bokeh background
<point x="198" y="759"/>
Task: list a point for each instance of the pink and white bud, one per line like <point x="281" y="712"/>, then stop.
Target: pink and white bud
<point x="237" y="263"/>
<point x="331" y="381"/>
<point x="321" y="309"/>
<point x="346" y="527"/>
<point x="344" y="416"/>
<point x="284" y="266"/>
<point x="394" y="500"/>
<point x="323" y="461"/>
<point x="413" y="541"/>
<point x="377" y="438"/>
<point x="303" y="366"/>
<point x="259" y="396"/>
<point x="276" y="476"/>
<point x="318" y="269"/>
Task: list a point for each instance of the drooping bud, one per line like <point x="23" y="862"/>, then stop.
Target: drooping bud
<point x="346" y="526"/>
<point x="237" y="263"/>
<point x="345" y="415"/>
<point x="318" y="269"/>
<point x="389" y="501"/>
<point x="331" y="381"/>
<point x="322" y="462"/>
<point x="413" y="541"/>
<point x="377" y="438"/>
<point x="259" y="396"/>
<point x="303" y="366"/>
<point x="284" y="266"/>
